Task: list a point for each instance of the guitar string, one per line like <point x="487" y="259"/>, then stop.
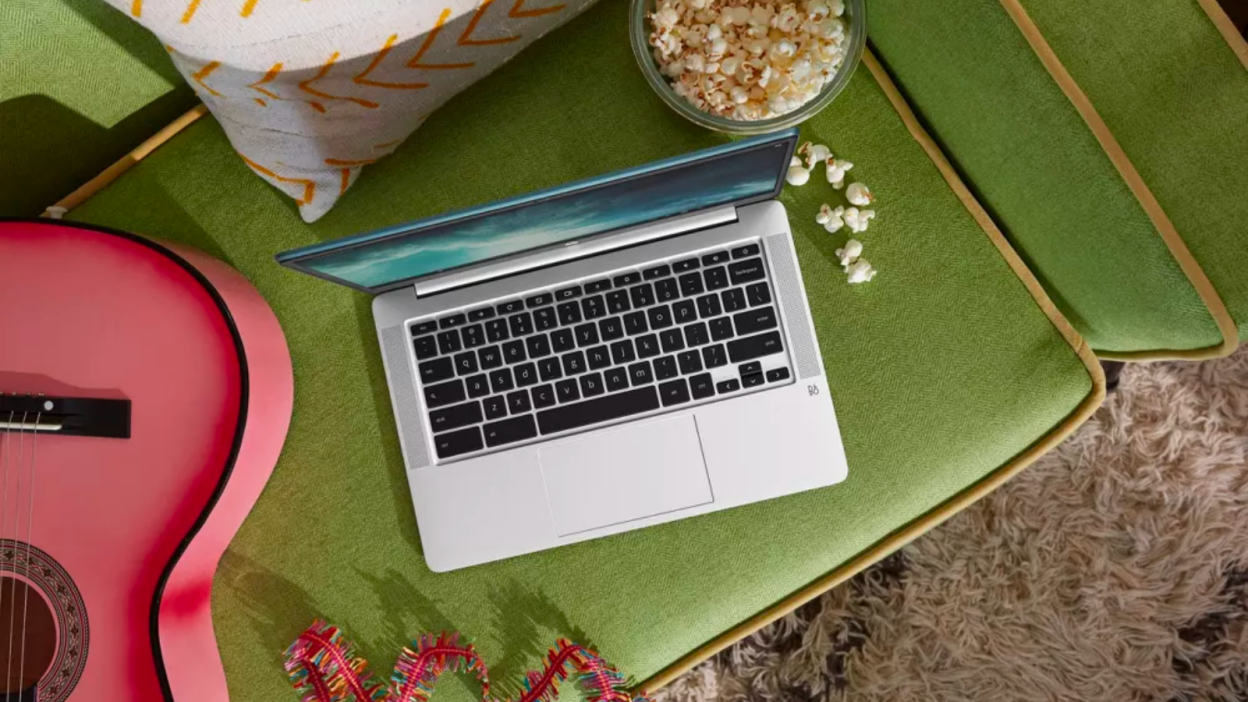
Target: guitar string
<point x="30" y="523"/>
<point x="21" y="449"/>
<point x="8" y="454"/>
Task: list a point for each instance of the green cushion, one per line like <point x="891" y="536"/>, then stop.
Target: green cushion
<point x="943" y="369"/>
<point x="1176" y="97"/>
<point x="1036" y="166"/>
<point x="80" y="86"/>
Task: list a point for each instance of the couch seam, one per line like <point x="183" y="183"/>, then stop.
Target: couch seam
<point x="963" y="499"/>
<point x="1148" y="202"/>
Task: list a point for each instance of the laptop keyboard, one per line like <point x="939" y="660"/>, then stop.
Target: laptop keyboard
<point x="664" y="335"/>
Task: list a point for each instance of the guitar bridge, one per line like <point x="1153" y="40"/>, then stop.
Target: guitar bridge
<point x="68" y="416"/>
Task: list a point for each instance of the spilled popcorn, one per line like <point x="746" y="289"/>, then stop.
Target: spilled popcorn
<point x="748" y="61"/>
<point x="856" y="217"/>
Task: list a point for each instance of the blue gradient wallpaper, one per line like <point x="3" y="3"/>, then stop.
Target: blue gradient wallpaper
<point x="564" y="217"/>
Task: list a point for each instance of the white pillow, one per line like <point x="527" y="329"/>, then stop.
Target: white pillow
<point x="311" y="91"/>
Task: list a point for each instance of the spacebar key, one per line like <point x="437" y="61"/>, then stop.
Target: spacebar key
<point x="603" y="409"/>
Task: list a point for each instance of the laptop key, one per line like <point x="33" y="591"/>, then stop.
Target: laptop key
<point x="743" y="251"/>
<point x="617" y="302"/>
<point x="473" y="336"/>
<point x="672" y="340"/>
<point x="597" y="286"/>
<point x="642" y="295"/>
<point x="510" y="306"/>
<point x="750" y="368"/>
<point x="425" y="347"/>
<point x="686" y="265"/>
<point x="746" y="271"/>
<point x="561" y="340"/>
<point x="755" y="320"/>
<point x="684" y="311"/>
<point x="444" y="394"/>
<point x="500" y="380"/>
<point x="424" y="328"/>
<point x="518" y="402"/>
<point x="521" y="324"/>
<point x="666" y="290"/>
<point x="656" y="272"/>
<point x="777" y="374"/>
<point x="674" y="392"/>
<point x="715" y="257"/>
<point x="495" y="407"/>
<point x="690" y="362"/>
<point x="591" y="385"/>
<point x="616" y="379"/>
<point x="568" y="293"/>
<point x="701" y="386"/>
<point x="454" y="443"/>
<point x="549" y="368"/>
<point x="752" y="347"/>
<point x="435" y="370"/>
<point x="526" y="375"/>
<point x="509" y="431"/>
<point x="496" y="330"/>
<point x="599" y="357"/>
<point x="725" y="386"/>
<point x="611" y="328"/>
<point x="490" y="357"/>
<point x="513" y="351"/>
<point x="538" y="346"/>
<point x="639" y="373"/>
<point x="752" y="380"/>
<point x="708" y="306"/>
<point x="635" y="323"/>
<point x="660" y="316"/>
<point x="539" y="300"/>
<point x="665" y="368"/>
<point x="544" y="318"/>
<point x="714" y="356"/>
<point x="597" y="410"/>
<point x="448" y="341"/>
<point x="758" y="293"/>
<point x="567" y="391"/>
<point x="734" y="299"/>
<point x="573" y="363"/>
<point x="466" y="363"/>
<point x="478" y="386"/>
<point x="721" y="328"/>
<point x="455" y="416"/>
<point x="691" y="284"/>
<point x="543" y="396"/>
<point x="478" y="315"/>
<point x="624" y="279"/>
<point x="586" y="335"/>
<point x="593" y="307"/>
<point x="696" y="334"/>
<point x="569" y="313"/>
<point x="622" y="352"/>
<point x="716" y="278"/>
<point x="647" y="346"/>
<point x="453" y="320"/>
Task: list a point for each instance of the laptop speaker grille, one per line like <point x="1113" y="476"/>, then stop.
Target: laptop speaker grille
<point x="789" y="289"/>
<point x="403" y="391"/>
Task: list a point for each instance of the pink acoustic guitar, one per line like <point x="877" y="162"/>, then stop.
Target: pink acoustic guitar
<point x="146" y="395"/>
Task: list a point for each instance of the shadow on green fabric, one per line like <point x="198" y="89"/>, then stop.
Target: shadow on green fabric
<point x="276" y="608"/>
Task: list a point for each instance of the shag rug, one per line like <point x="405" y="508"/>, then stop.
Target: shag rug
<point x="1115" y="568"/>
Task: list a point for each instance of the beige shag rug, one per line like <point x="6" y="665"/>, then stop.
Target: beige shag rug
<point x="1114" y="569"/>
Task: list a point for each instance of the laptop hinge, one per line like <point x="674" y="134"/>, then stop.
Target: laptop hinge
<point x="573" y="250"/>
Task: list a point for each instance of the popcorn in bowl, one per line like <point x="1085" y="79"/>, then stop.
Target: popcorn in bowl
<point x="748" y="61"/>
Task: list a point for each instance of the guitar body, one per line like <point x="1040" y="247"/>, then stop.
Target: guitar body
<point x="108" y="546"/>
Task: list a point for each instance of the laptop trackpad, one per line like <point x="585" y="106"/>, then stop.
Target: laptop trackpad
<point x="618" y="475"/>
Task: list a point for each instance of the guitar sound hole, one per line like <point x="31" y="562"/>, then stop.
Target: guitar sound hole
<point x="32" y="651"/>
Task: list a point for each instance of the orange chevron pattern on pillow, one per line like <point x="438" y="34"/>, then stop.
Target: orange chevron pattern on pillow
<point x="311" y="91"/>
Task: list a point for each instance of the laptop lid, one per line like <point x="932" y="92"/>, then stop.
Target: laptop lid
<point x="737" y="173"/>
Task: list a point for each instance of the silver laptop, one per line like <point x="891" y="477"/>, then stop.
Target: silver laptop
<point x="604" y="356"/>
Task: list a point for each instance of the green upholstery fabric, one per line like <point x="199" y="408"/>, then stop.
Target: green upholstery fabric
<point x="943" y="369"/>
<point x="1176" y="97"/>
<point x="1032" y="161"/>
<point x="80" y="86"/>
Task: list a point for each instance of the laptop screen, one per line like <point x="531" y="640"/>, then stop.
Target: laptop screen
<point x="740" y="172"/>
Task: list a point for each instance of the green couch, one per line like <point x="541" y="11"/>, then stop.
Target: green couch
<point x="950" y="372"/>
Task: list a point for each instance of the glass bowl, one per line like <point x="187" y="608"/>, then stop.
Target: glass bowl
<point x="639" y="32"/>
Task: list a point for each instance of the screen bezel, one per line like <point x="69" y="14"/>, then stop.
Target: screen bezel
<point x="296" y="259"/>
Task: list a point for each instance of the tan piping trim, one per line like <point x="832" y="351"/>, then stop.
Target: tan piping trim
<point x="114" y="171"/>
<point x="1226" y="28"/>
<point x="962" y="500"/>
<point x="1178" y="249"/>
